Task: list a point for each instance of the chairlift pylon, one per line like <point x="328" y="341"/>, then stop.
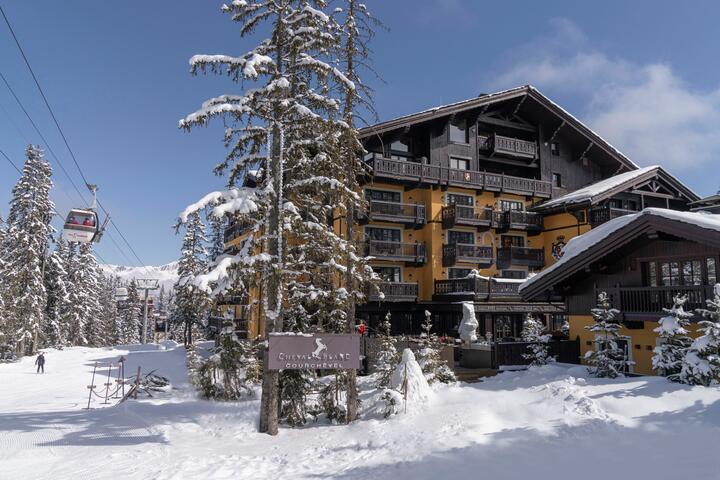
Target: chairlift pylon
<point x="81" y="224"/>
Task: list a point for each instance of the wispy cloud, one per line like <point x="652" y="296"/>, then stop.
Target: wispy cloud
<point x="647" y="110"/>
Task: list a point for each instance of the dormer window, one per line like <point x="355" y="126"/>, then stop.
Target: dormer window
<point x="555" y="148"/>
<point x="458" y="131"/>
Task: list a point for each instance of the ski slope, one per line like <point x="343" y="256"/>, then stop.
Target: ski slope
<point x="166" y="275"/>
<point x="546" y="423"/>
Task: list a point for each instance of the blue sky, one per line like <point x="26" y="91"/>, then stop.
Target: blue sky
<point x="645" y="75"/>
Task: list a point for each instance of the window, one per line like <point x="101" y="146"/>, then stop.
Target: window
<point x="692" y="272"/>
<point x="459" y="199"/>
<point x="459" y="132"/>
<point x="557" y="180"/>
<point x="456" y="236"/>
<point x="458" y="272"/>
<point x="459" y="163"/>
<point x="615" y="203"/>
<point x="711" y="271"/>
<point x="650" y="274"/>
<point x="555" y="148"/>
<point x="383" y="234"/>
<point x="515" y="274"/>
<point x="399" y="149"/>
<point x="507" y="205"/>
<point x="508" y="241"/>
<point x="388" y="274"/>
<point x="632" y="205"/>
<point x="670" y="273"/>
<point x="382" y="196"/>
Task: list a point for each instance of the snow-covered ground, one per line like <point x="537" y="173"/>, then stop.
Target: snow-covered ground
<point x="544" y="423"/>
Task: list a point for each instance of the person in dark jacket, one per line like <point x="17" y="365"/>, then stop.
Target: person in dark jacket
<point x="40" y="362"/>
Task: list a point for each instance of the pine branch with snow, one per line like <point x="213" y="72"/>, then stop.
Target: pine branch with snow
<point x="674" y="340"/>
<point x="608" y="359"/>
<point x="428" y="355"/>
<point x="701" y="365"/>
<point x="532" y="332"/>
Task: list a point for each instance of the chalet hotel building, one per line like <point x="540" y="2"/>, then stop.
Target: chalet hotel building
<point x="496" y="184"/>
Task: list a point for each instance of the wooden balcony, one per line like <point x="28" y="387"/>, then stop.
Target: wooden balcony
<point x="514" y="147"/>
<point x="393" y="292"/>
<point x="402" y="252"/>
<point x="234" y="230"/>
<point x="650" y="301"/>
<point x="478" y="287"/>
<point x="480" y="255"/>
<point x="435" y="175"/>
<point x="530" y="222"/>
<point x="600" y="215"/>
<point x="452" y="215"/>
<point x="520" y="256"/>
<point x="411" y="214"/>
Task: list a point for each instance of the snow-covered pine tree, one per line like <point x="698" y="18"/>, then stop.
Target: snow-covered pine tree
<point x="287" y="121"/>
<point x="86" y="280"/>
<point x="109" y="317"/>
<point x="532" y="332"/>
<point x="131" y="315"/>
<point x="56" y="284"/>
<point x="191" y="302"/>
<point x="428" y="355"/>
<point x="24" y="247"/>
<point x="357" y="29"/>
<point x="675" y="340"/>
<point x="702" y="360"/>
<point x="608" y="359"/>
<point x="387" y="355"/>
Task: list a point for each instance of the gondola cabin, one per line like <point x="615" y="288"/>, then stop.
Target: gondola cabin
<point x="81" y="226"/>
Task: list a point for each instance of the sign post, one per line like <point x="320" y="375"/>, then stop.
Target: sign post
<point x="288" y="351"/>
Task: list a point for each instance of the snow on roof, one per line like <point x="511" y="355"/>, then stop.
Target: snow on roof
<point x="587" y="194"/>
<point x="578" y="245"/>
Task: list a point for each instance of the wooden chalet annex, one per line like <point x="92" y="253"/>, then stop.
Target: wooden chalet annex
<point x="641" y="261"/>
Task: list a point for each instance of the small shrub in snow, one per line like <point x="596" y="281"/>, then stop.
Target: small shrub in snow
<point x="230" y="372"/>
<point x="387" y="356"/>
<point x="539" y="348"/>
<point x="428" y="355"/>
<point x="333" y="398"/>
<point x="392" y="400"/>
<point x="469" y="324"/>
<point x="672" y="330"/>
<point x="608" y="359"/>
<point x="702" y="361"/>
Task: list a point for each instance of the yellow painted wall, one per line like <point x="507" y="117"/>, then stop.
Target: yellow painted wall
<point x="645" y="338"/>
<point x="558" y="227"/>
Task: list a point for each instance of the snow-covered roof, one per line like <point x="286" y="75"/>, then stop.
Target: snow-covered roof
<point x="603" y="189"/>
<point x="485" y="99"/>
<point x="580" y="245"/>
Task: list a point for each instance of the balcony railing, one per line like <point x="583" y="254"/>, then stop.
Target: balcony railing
<point x="393" y="292"/>
<point x="519" y="220"/>
<point x="652" y="300"/>
<point x="600" y="215"/>
<point x="436" y="175"/>
<point x="464" y="215"/>
<point x="407" y="213"/>
<point x="477" y="286"/>
<point x="461" y="252"/>
<point x="234" y="230"/>
<point x="403" y="252"/>
<point x="522" y="256"/>
<point x="513" y="147"/>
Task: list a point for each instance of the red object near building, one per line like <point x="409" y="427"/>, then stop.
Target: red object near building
<point x="361" y="329"/>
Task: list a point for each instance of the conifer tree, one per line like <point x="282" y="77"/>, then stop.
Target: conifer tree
<point x="23" y="251"/>
<point x="608" y="359"/>
<point x="86" y="279"/>
<point x="131" y="316"/>
<point x="286" y="120"/>
<point x="56" y="278"/>
<point x="387" y="355"/>
<point x="675" y="340"/>
<point x="109" y="317"/>
<point x="428" y="355"/>
<point x="702" y="361"/>
<point x="532" y="332"/>
<point x="191" y="302"/>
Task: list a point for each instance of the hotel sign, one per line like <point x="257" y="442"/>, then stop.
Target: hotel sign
<point x="317" y="351"/>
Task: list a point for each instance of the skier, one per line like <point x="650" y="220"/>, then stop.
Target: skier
<point x="40" y="362"/>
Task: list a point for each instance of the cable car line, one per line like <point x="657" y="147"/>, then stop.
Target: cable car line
<point x="62" y="134"/>
<point x="11" y="162"/>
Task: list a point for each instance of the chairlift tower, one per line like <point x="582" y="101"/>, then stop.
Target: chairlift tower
<point x="146" y="285"/>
